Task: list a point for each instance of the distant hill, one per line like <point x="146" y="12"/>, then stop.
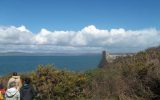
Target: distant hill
<point x="44" y="54"/>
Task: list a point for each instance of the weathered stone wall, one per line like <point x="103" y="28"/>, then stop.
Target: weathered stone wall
<point x="109" y="58"/>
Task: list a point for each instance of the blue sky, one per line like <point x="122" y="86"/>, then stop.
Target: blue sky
<point x="76" y="14"/>
<point x="79" y="25"/>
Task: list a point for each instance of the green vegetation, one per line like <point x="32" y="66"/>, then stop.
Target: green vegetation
<point x="50" y="83"/>
<point x="134" y="77"/>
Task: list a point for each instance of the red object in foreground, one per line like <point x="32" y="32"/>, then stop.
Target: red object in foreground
<point x="3" y="91"/>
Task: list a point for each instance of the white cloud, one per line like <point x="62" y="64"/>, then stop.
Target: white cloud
<point x="23" y="29"/>
<point x="88" y="39"/>
<point x="13" y="35"/>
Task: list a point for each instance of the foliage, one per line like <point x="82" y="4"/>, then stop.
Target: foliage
<point x="51" y="83"/>
<point x="134" y="77"/>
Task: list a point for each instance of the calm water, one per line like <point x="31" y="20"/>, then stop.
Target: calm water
<point x="9" y="64"/>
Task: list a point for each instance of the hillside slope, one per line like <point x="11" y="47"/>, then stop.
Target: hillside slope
<point x="134" y="77"/>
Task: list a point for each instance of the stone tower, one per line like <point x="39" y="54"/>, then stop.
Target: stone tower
<point x="103" y="61"/>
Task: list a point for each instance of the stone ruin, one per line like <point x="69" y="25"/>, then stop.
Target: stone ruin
<point x="109" y="58"/>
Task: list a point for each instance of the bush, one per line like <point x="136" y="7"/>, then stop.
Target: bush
<point x="51" y="83"/>
<point x="56" y="84"/>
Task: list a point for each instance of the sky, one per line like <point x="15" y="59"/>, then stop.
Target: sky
<point x="62" y="26"/>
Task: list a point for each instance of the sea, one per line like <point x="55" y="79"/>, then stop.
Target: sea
<point x="79" y="63"/>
